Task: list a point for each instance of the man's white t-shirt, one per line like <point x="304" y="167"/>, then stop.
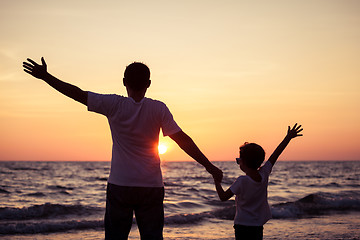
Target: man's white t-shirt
<point x="135" y="128"/>
<point x="252" y="208"/>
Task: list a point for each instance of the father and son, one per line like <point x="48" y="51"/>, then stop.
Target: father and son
<point x="135" y="183"/>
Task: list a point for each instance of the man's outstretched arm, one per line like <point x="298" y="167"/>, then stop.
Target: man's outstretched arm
<point x="189" y="146"/>
<point x="40" y="71"/>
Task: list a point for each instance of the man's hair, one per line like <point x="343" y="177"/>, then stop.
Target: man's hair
<point x="252" y="154"/>
<point x="137" y="76"/>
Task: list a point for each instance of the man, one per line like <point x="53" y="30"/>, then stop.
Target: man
<point x="135" y="183"/>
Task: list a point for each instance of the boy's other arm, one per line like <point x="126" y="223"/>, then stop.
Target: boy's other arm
<point x="189" y="146"/>
<point x="292" y="133"/>
<point x="40" y="71"/>
<point x="223" y="195"/>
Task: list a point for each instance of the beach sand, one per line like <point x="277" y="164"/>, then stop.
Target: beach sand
<point x="338" y="226"/>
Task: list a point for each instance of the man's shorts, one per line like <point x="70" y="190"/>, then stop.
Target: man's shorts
<point x="122" y="202"/>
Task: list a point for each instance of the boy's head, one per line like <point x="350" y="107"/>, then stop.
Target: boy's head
<point x="252" y="154"/>
<point x="137" y="76"/>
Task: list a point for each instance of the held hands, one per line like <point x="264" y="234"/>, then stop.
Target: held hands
<point x="34" y="69"/>
<point x="294" y="131"/>
<point x="216" y="173"/>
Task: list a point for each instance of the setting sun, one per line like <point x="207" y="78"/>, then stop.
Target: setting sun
<point x="248" y="61"/>
<point x="162" y="148"/>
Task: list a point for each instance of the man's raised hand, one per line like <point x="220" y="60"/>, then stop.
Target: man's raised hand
<point x="34" y="69"/>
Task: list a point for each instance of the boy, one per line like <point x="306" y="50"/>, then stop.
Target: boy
<point x="252" y="208"/>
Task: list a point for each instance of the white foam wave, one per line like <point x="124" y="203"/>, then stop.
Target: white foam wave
<point x="317" y="204"/>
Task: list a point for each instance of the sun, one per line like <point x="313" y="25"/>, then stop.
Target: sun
<point x="162" y="148"/>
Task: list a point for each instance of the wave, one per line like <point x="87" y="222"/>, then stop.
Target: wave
<point x="309" y="206"/>
<point x="4" y="191"/>
<point x="57" y="218"/>
<point x="317" y="204"/>
<point x="46" y="227"/>
<point x="36" y="194"/>
<point x="187" y="218"/>
<point x="46" y="210"/>
<point x="172" y="184"/>
<point x="57" y="187"/>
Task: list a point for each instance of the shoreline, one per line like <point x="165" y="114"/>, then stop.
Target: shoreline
<point x="330" y="227"/>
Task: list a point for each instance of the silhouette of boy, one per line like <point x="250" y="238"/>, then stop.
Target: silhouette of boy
<point x="252" y="208"/>
<point x="135" y="183"/>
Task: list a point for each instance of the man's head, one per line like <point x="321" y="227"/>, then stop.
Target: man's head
<point x="252" y="154"/>
<point x="137" y="76"/>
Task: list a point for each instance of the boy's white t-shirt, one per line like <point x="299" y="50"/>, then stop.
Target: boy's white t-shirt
<point x="252" y="208"/>
<point x="135" y="128"/>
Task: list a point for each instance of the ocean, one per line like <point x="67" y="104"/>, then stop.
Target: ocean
<point x="66" y="200"/>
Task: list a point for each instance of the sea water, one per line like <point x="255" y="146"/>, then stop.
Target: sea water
<point x="58" y="200"/>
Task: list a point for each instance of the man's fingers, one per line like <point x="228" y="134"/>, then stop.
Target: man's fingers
<point x="217" y="175"/>
<point x="33" y="62"/>
<point x="28" y="71"/>
<point x="218" y="178"/>
<point x="43" y="61"/>
<point x="27" y="65"/>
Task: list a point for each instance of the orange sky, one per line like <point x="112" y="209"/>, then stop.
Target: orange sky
<point x="230" y="72"/>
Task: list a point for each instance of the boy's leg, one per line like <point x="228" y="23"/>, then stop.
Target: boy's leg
<point x="119" y="213"/>
<point x="150" y="214"/>
<point x="248" y="232"/>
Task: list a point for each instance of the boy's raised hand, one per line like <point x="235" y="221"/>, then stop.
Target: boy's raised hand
<point x="291" y="133"/>
<point x="34" y="69"/>
<point x="294" y="131"/>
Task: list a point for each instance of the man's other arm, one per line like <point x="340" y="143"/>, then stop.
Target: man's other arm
<point x="189" y="146"/>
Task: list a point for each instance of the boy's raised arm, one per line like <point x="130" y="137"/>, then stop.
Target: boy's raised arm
<point x="292" y="133"/>
<point x="40" y="71"/>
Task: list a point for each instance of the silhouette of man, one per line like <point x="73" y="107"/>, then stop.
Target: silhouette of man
<point x="135" y="182"/>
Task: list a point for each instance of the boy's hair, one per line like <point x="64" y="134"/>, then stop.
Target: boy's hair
<point x="252" y="154"/>
<point x="137" y="76"/>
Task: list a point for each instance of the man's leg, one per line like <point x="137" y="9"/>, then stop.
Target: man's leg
<point x="119" y="213"/>
<point x="248" y="232"/>
<point x="150" y="214"/>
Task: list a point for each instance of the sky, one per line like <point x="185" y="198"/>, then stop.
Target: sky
<point x="229" y="71"/>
